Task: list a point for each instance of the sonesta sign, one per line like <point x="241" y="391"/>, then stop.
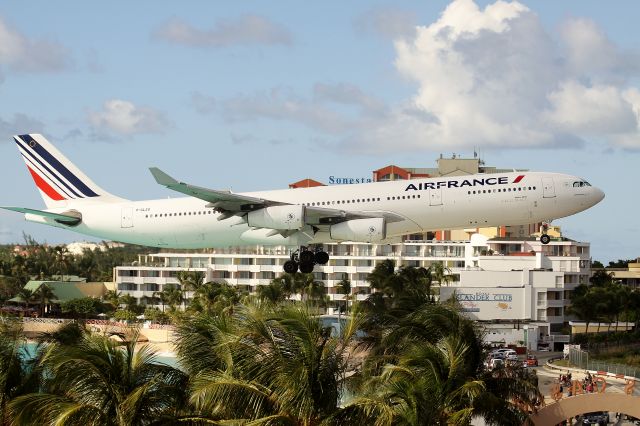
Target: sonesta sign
<point x="501" y="180"/>
<point x="333" y="180"/>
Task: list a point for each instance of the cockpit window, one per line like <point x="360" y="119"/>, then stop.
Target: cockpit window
<point x="581" y="183"/>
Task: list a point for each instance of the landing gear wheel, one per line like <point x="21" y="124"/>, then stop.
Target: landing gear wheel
<point x="306" y="267"/>
<point x="306" y="256"/>
<point x="291" y="266"/>
<point x="545" y="239"/>
<point x="321" y="257"/>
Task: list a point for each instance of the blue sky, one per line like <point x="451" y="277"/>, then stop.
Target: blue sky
<point x="256" y="95"/>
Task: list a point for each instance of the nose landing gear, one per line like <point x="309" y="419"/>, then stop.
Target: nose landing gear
<point x="305" y="259"/>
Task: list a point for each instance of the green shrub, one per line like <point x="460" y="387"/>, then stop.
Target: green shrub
<point x="124" y="315"/>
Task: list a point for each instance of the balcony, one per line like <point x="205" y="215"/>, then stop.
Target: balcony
<point x="557" y="303"/>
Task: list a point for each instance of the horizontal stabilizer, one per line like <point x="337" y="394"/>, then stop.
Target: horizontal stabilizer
<point x="67" y="219"/>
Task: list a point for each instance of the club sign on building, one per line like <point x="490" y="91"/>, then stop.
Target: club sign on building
<point x="489" y="303"/>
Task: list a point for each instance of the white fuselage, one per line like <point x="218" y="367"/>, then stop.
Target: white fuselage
<point x="425" y="204"/>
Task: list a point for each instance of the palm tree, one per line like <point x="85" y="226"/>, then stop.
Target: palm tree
<point x="97" y="382"/>
<point x="272" y="293"/>
<point x="429" y="371"/>
<point x="311" y="289"/>
<point x="45" y="295"/>
<point x="440" y="273"/>
<point x="344" y="287"/>
<point x="264" y="365"/>
<point x="62" y="259"/>
<point x="128" y="300"/>
<point x="113" y="297"/>
<point x="215" y="298"/>
<point x="26" y="296"/>
<point x="383" y="278"/>
<point x="582" y="307"/>
<point x="190" y="281"/>
<point x="163" y="297"/>
<point x="12" y="373"/>
<point x="172" y="295"/>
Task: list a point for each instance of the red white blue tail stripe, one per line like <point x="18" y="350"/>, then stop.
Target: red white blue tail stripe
<point x="51" y="176"/>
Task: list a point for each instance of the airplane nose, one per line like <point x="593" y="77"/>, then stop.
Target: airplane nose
<point x="598" y="195"/>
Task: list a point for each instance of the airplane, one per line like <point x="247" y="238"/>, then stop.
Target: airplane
<point x="301" y="218"/>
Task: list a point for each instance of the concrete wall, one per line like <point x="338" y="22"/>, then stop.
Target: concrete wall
<point x="154" y="335"/>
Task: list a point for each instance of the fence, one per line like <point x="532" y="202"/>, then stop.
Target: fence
<point x="581" y="359"/>
<point x="46" y="320"/>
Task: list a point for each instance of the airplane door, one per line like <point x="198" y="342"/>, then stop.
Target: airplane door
<point x="127" y="217"/>
<point x="548" y="190"/>
<point x="435" y="197"/>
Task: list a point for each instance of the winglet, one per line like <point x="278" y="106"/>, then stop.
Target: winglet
<point x="161" y="177"/>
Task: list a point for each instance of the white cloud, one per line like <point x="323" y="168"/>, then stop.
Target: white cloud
<point x="495" y="77"/>
<point x="597" y="109"/>
<point x="23" y="54"/>
<point x="125" y="118"/>
<point x="245" y="30"/>
<point x="492" y="77"/>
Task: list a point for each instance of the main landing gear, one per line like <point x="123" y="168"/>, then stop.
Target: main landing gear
<point x="544" y="238"/>
<point x="305" y="259"/>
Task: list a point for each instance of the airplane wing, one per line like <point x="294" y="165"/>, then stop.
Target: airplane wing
<point x="67" y="219"/>
<point x="222" y="200"/>
<point x="230" y="204"/>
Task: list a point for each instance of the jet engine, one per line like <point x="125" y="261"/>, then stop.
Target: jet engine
<point x="365" y="230"/>
<point x="277" y="217"/>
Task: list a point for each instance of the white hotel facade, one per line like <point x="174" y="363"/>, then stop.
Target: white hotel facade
<point x="519" y="288"/>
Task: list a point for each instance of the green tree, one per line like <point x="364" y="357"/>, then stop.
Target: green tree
<point x="112" y="297"/>
<point x="26" y="296"/>
<point x="264" y="365"/>
<point x="344" y="287"/>
<point x="429" y="372"/>
<point x="12" y="362"/>
<point x="216" y="297"/>
<point x="62" y="259"/>
<point x="130" y="302"/>
<point x="272" y="293"/>
<point x="601" y="278"/>
<point x="171" y="295"/>
<point x="44" y="295"/>
<point x="582" y="305"/>
<point x="620" y="263"/>
<point x="124" y="315"/>
<point x="440" y="273"/>
<point x="84" y="307"/>
<point x="97" y="382"/>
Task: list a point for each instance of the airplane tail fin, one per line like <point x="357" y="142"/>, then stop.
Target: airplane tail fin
<point x="59" y="181"/>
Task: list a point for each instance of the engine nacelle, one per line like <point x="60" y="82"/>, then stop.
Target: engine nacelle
<point x="277" y="217"/>
<point x="363" y="230"/>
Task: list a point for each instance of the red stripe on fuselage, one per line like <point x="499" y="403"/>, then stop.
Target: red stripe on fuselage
<point x="518" y="179"/>
<point x="45" y="187"/>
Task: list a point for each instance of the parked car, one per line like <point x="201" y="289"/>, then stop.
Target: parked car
<point x="600" y="418"/>
<point x="510" y="354"/>
<point x="531" y="361"/>
<point x="496" y="354"/>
